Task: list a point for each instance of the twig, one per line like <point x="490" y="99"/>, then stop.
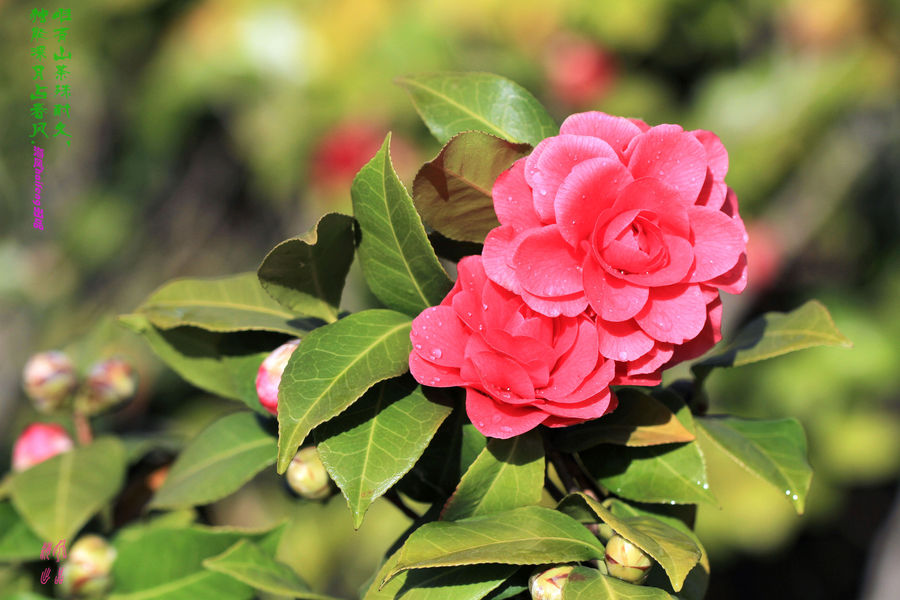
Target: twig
<point x="394" y="498"/>
<point x="82" y="429"/>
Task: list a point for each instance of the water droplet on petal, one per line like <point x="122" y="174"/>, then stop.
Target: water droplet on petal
<point x="623" y="355"/>
<point x="484" y="307"/>
<point x="437" y="353"/>
<point x="418" y="346"/>
<point x="543" y="192"/>
<point x="496" y="419"/>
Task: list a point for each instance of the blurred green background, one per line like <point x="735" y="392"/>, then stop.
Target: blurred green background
<point x="204" y="132"/>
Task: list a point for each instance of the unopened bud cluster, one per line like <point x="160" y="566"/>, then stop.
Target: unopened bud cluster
<point x="50" y="381"/>
<point x="307" y="476"/>
<point x="87" y="571"/>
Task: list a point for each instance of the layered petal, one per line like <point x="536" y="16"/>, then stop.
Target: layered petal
<point x="674" y="313"/>
<point x="498" y="420"/>
<point x="667" y="153"/>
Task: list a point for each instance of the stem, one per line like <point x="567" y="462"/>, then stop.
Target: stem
<point x="83" y="429"/>
<point x="590" y="486"/>
<point x="394" y="498"/>
<point x="562" y="469"/>
<point x="551" y="487"/>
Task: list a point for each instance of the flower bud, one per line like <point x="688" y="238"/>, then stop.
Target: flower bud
<point x="108" y="383"/>
<point x="307" y="476"/>
<point x="39" y="442"/>
<point x="87" y="570"/>
<point x="548" y="585"/>
<point x="626" y="561"/>
<point x="49" y="378"/>
<point x="269" y="375"/>
<point x="605" y="532"/>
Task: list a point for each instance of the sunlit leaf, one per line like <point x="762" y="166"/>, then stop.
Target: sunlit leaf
<point x="451" y="103"/>
<point x="453" y="191"/>
<point x="773" y="450"/>
<point x="397" y="260"/>
<point x="372" y="444"/>
<point x="221" y="459"/>
<point x="590" y="584"/>
<point x="333" y="367"/>
<point x="506" y="475"/>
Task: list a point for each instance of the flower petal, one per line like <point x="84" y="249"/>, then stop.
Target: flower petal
<point x="498" y="420"/>
<point x="590" y="188"/>
<point x="716" y="154"/>
<point x="674" y="313"/>
<point x="547" y="172"/>
<point x="428" y="373"/>
<point x="546" y="265"/>
<point x="513" y="200"/>
<point x="623" y="341"/>
<point x="496" y="256"/>
<point x="709" y="337"/>
<point x="575" y="365"/>
<point x="594" y="407"/>
<point x="616" y="131"/>
<point x="718" y="243"/>
<point x="735" y="280"/>
<point x="668" y="153"/>
<point x="439" y="336"/>
<point x="613" y="299"/>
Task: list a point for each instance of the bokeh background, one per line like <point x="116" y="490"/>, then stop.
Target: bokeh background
<point x="206" y="131"/>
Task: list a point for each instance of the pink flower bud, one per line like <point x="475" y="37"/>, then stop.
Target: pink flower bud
<point x="87" y="570"/>
<point x="109" y="383"/>
<point x="39" y="442"/>
<point x="269" y="375"/>
<point x="626" y="561"/>
<point x="548" y="585"/>
<point x="49" y="378"/>
<point x="307" y="476"/>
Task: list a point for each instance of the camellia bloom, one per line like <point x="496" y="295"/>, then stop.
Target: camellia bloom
<point x="520" y="368"/>
<point x="633" y="221"/>
<point x="268" y="378"/>
<point x="39" y="442"/>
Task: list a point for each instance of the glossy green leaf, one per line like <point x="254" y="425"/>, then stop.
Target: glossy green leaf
<point x="453" y="191"/>
<point x="524" y="536"/>
<point x="639" y="420"/>
<point x="397" y="260"/>
<point x="17" y="540"/>
<point x="58" y="496"/>
<point x="225" y="304"/>
<point x="671" y="473"/>
<point x="673" y="550"/>
<point x="221" y="459"/>
<point x="774" y="334"/>
<point x="506" y="475"/>
<point x="224" y="364"/>
<point x="470" y="582"/>
<point x="451" y="103"/>
<point x="247" y="563"/>
<point x="306" y="274"/>
<point x="435" y="475"/>
<point x="333" y="367"/>
<point x="167" y="564"/>
<point x="372" y="444"/>
<point x="773" y="450"/>
<point x="590" y="584"/>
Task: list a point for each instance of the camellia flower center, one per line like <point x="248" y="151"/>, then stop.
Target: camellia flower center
<point x="631" y="243"/>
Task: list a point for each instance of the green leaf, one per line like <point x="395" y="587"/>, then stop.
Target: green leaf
<point x="435" y="475"/>
<point x="333" y="367"/>
<point x="167" y="564"/>
<point x="453" y="191"/>
<point x="774" y="334"/>
<point x="673" y="550"/>
<point x="773" y="450"/>
<point x="471" y="582"/>
<point x="673" y="473"/>
<point x="306" y="274"/>
<point x="371" y="445"/>
<point x="221" y="459"/>
<point x="639" y="420"/>
<point x="524" y="536"/>
<point x="58" y="496"/>
<point x="225" y="304"/>
<point x="17" y="541"/>
<point x="506" y="475"/>
<point x="590" y="584"/>
<point x="397" y="261"/>
<point x="247" y="563"/>
<point x="224" y="364"/>
<point x="451" y="103"/>
<point x="697" y="581"/>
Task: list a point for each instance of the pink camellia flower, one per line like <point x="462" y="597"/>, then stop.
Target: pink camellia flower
<point x="39" y="442"/>
<point x="633" y="221"/>
<point x="520" y="368"/>
<point x="269" y="375"/>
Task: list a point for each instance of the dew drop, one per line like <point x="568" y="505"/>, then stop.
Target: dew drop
<point x="437" y="353"/>
<point x="496" y="419"/>
<point x="543" y="192"/>
<point x="794" y="496"/>
<point x="623" y="355"/>
<point x="484" y="307"/>
<point x="672" y="502"/>
<point x="787" y="492"/>
<point x="705" y="486"/>
<point x="437" y="379"/>
<point x="468" y="314"/>
<point x="418" y="346"/>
